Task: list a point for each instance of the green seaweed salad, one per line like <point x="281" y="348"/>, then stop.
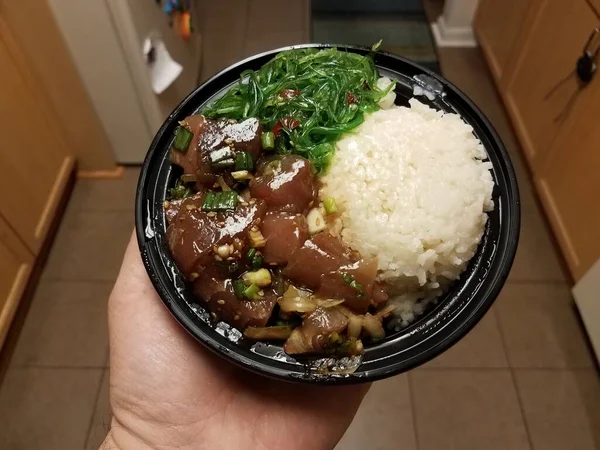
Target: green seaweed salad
<point x="307" y="98"/>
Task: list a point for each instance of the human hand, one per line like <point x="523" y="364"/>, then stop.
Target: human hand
<point x="167" y="391"/>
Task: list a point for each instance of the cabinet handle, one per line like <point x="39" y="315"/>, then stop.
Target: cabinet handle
<point x="586" y="64"/>
<point x="585" y="68"/>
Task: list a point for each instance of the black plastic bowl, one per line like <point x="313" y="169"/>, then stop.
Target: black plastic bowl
<point x="442" y="326"/>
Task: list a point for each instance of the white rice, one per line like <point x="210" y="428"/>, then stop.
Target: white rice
<point x="414" y="190"/>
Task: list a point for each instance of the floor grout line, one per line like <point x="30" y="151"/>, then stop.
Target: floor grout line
<point x="91" y="424"/>
<point x="516" y="388"/>
<point x="413" y="407"/>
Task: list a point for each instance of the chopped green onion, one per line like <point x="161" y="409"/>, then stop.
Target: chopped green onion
<point x="256" y="238"/>
<point x="219" y="201"/>
<point x="261" y="277"/>
<point x="188" y="178"/>
<point x="224" y="164"/>
<point x="240" y="175"/>
<point x="251" y="292"/>
<point x="238" y="288"/>
<point x="257" y="261"/>
<point x="268" y="140"/>
<point x="183" y="137"/>
<point x="330" y="205"/>
<point x="347" y="278"/>
<point x="354" y="284"/>
<point x="243" y="161"/>
<point x="221" y="158"/>
<point x="178" y="191"/>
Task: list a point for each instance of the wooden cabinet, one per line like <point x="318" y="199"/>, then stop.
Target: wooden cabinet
<point x="498" y="25"/>
<point x="36" y="166"/>
<point x="34" y="159"/>
<point x="15" y="265"/>
<point x="542" y="80"/>
<point x="569" y="182"/>
<point x="555" y="119"/>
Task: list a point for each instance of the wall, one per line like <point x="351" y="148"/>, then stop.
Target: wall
<point x="32" y="24"/>
<point x="93" y="42"/>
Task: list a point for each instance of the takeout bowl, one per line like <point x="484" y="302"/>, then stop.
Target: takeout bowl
<point x="439" y="328"/>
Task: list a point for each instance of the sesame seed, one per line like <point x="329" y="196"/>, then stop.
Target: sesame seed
<point x="218" y="258"/>
<point x="261" y="293"/>
<point x="212" y="214"/>
<point x="193" y="276"/>
<point x="252" y="201"/>
<point x="221" y="302"/>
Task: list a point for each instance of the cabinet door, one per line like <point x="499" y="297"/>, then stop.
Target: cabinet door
<point x="570" y="184"/>
<point x="34" y="160"/>
<point x="542" y="81"/>
<point x="15" y="266"/>
<point x="498" y="24"/>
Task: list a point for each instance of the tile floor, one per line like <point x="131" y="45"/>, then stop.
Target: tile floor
<point x="524" y="378"/>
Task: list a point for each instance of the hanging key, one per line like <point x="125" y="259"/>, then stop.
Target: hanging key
<point x="586" y="64"/>
<point x="585" y="68"/>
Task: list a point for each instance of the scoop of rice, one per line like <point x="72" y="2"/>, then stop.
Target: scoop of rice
<point x="414" y="190"/>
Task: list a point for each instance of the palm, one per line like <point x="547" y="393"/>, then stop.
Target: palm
<point x="167" y="391"/>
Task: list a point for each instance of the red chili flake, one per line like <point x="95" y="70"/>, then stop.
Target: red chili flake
<point x="350" y="98"/>
<point x="286" y="122"/>
<point x="289" y="94"/>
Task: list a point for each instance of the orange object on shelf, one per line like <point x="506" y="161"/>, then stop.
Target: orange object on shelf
<point x="185" y="25"/>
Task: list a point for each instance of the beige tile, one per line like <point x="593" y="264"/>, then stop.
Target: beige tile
<point x="482" y="347"/>
<point x="102" y="416"/>
<point x="537" y="258"/>
<point x="89" y="246"/>
<point x="540" y="327"/>
<point x="383" y="420"/>
<point x="467" y="409"/>
<point x="223" y="31"/>
<point x="562" y="408"/>
<point x="47" y="408"/>
<point x="106" y="195"/>
<point x="284" y="27"/>
<point x="65" y="326"/>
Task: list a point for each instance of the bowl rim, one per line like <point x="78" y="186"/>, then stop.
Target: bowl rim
<point x="263" y="367"/>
